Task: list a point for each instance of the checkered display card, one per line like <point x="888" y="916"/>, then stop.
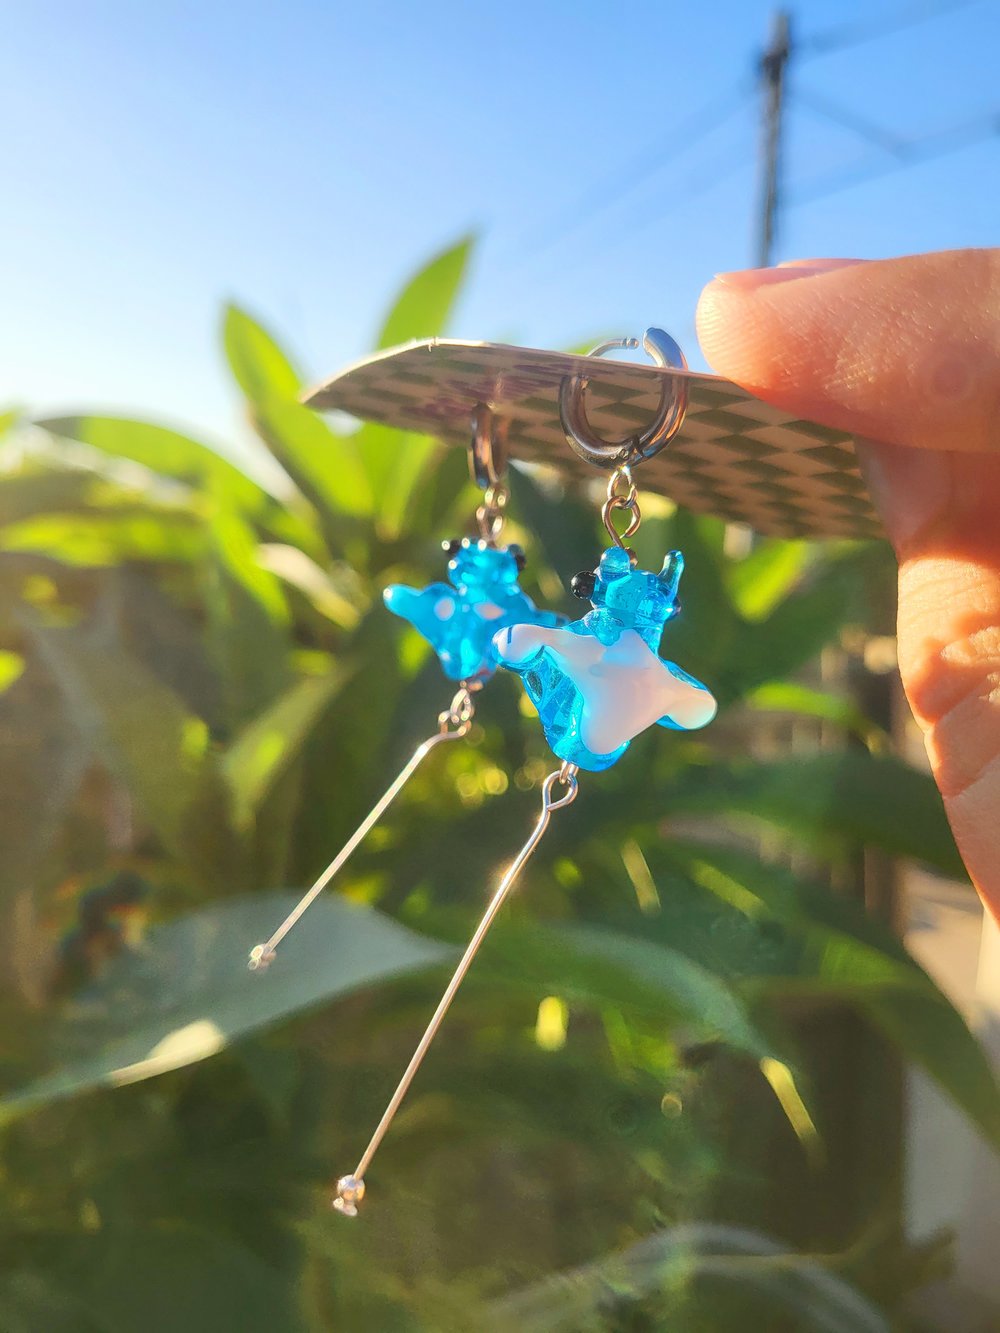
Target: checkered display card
<point x="733" y="456"/>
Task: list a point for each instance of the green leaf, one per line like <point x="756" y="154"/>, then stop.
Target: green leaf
<point x="413" y="459"/>
<point x="261" y="367"/>
<point x="266" y="748"/>
<point x="853" y="946"/>
<point x="424" y="306"/>
<point x="596" y="965"/>
<point x="565" y="530"/>
<point x="931" y="1033"/>
<point x="340" y="599"/>
<point x="787" y="696"/>
<point x="248" y="630"/>
<point x="836" y="801"/>
<point x="132" y="722"/>
<point x="141" y="532"/>
<point x="759" y="581"/>
<point x="676" y="1266"/>
<point x="188" y="993"/>
<point x="326" y="467"/>
<point x="165" y="451"/>
<point x="394" y="461"/>
<point x="851" y="955"/>
<point x="706" y="638"/>
<point x="798" y="627"/>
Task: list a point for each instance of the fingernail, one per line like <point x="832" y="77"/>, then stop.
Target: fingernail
<point x="820" y="263"/>
<point x="750" y="278"/>
<point x="911" y="487"/>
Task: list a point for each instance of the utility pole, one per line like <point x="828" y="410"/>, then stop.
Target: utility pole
<point x="773" y="64"/>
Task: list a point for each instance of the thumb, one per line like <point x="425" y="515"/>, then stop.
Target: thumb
<point x="905" y="351"/>
<point x="901" y="350"/>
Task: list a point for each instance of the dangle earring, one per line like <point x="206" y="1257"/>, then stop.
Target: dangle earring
<point x="597" y="682"/>
<point x="459" y="621"/>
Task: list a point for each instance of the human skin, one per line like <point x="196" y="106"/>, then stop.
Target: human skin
<point x="905" y="352"/>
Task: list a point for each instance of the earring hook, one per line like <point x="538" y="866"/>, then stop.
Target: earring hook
<point x="488" y="465"/>
<point x="579" y="433"/>
<point x="487" y="448"/>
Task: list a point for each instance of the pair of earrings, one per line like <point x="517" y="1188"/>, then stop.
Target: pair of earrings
<point x="596" y="682"/>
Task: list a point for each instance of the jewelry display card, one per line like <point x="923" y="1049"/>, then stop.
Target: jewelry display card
<point x="733" y="456"/>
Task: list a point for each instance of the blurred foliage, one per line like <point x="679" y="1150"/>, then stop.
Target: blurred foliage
<point x="682" y="1047"/>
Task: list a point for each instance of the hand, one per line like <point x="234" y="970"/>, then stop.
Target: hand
<point x="905" y="352"/>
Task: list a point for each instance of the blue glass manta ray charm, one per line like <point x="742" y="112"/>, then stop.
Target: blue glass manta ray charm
<point x="459" y="620"/>
<point x="598" y="682"/>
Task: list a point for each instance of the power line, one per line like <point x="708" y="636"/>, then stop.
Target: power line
<point x="848" y="119"/>
<point x="942" y="143"/>
<point x="618" y="185"/>
<point x="857" y="34"/>
<point x="614" y="187"/>
<point x="699" y="183"/>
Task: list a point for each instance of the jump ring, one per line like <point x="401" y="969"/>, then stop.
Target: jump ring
<point x="668" y="419"/>
<point x="618" y="502"/>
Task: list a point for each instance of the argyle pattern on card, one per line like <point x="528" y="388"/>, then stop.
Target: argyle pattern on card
<point x="734" y="456"/>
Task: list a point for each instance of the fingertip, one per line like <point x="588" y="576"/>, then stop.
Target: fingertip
<point x="904" y="350"/>
<point x="735" y="335"/>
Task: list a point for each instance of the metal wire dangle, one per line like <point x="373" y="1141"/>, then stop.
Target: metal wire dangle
<point x="453" y="724"/>
<point x="351" y="1189"/>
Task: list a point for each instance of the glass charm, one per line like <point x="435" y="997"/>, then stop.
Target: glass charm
<point x="459" y="621"/>
<point x="600" y="681"/>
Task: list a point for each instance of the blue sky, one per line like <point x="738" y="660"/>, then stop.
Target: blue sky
<point x="303" y="157"/>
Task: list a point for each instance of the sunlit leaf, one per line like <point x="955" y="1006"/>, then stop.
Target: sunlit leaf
<point x="323" y="591"/>
<point x="162" y="450"/>
<point x="259" y="755"/>
<point x="424" y="305"/>
<point x="597" y="965"/>
<point x="188" y="993"/>
<point x="11" y="667"/>
<point x="800" y="625"/>
<point x="262" y="369"/>
<point x="324" y="465"/>
<point x="761" y="579"/>
<point x="422" y="310"/>
<point x="788" y="696"/>
<point x="107" y="537"/>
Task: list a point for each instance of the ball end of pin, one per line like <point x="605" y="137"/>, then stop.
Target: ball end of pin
<point x="350" y="1192"/>
<point x="260" y="957"/>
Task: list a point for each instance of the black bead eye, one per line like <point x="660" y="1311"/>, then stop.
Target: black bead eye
<point x="453" y="547"/>
<point x="520" y="559"/>
<point x="583" y="584"/>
